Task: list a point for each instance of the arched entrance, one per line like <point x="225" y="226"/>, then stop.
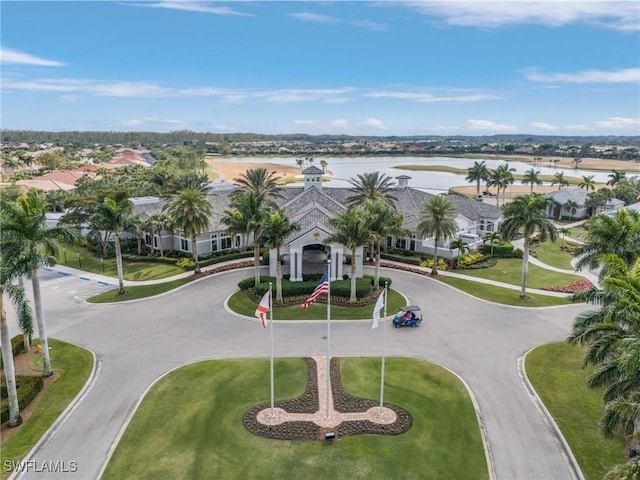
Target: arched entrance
<point x="314" y="258"/>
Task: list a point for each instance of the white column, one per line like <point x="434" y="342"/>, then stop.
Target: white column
<point x="359" y="259"/>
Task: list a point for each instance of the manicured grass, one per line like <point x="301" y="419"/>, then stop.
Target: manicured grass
<point x="138" y="271"/>
<point x="190" y="426"/>
<point x="556" y="372"/>
<point x="504" y="295"/>
<point x="509" y="270"/>
<point x="240" y="303"/>
<point x="74" y="364"/>
<point x="550" y="253"/>
<point x="141" y="291"/>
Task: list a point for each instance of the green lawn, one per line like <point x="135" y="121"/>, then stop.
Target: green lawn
<point x="509" y="270"/>
<point x="556" y="372"/>
<point x="240" y="303"/>
<point x="74" y="364"/>
<point x="550" y="253"/>
<point x="190" y="426"/>
<point x="141" y="291"/>
<point x="503" y="295"/>
<point x="132" y="270"/>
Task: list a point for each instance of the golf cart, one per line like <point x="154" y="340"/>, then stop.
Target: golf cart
<point x="409" y="316"/>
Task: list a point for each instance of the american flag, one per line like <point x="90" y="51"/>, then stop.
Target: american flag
<point x="321" y="289"/>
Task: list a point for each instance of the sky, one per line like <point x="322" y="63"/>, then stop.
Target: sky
<point x="555" y="67"/>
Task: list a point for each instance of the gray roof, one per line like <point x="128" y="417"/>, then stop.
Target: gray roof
<point x="562" y="196"/>
<point x="313" y="170"/>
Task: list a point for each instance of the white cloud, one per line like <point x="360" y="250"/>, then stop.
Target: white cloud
<point x="304" y="122"/>
<point x="622" y="75"/>
<point x="327" y="20"/>
<point x="10" y="56"/>
<point x="92" y="87"/>
<point x="457" y="96"/>
<point x="489" y="126"/>
<point x="339" y="123"/>
<point x="373" y="122"/>
<point x="149" y="120"/>
<point x="543" y="126"/>
<point x="618" y="122"/>
<point x="202" y="7"/>
<point x="619" y="15"/>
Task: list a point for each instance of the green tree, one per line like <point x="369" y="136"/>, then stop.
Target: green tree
<point x="459" y="244"/>
<point x="587" y="182"/>
<point x="276" y="230"/>
<point x="369" y="186"/>
<point x="615" y="177"/>
<point x="571" y="207"/>
<point x="527" y="216"/>
<point x="558" y="179"/>
<point x="383" y="221"/>
<point x="618" y="235"/>
<point x="477" y="173"/>
<point x="157" y="222"/>
<point x="531" y="177"/>
<point x="492" y="238"/>
<point x="189" y="211"/>
<point x="262" y="183"/>
<point x="437" y="220"/>
<point x="24" y="229"/>
<point x="351" y="230"/>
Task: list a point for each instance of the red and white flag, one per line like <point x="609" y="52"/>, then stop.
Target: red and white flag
<point x="321" y="289"/>
<point x="263" y="308"/>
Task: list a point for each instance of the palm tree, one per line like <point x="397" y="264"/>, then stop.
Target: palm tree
<point x="137" y="226"/>
<point x="276" y="230"/>
<point x="157" y="222"/>
<point x="437" y="220"/>
<point x="587" y="182"/>
<point x="323" y="164"/>
<point x="494" y="180"/>
<point x="113" y="217"/>
<point x="24" y="225"/>
<point x="477" y="173"/>
<point x="527" y="215"/>
<point x="559" y="180"/>
<point x="571" y="207"/>
<point x="247" y="215"/>
<point x="369" y="186"/>
<point x="616" y="176"/>
<point x="382" y="220"/>
<point x="12" y="266"/>
<point x="564" y="231"/>
<point x="492" y="238"/>
<point x="351" y="230"/>
<point x="460" y="245"/>
<point x="506" y="178"/>
<point x="189" y="211"/>
<point x="618" y="235"/>
<point x="264" y="184"/>
<point x="531" y="177"/>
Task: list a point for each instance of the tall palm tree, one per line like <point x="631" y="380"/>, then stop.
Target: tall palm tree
<point x="24" y="224"/>
<point x="587" y="182"/>
<point x="527" y="215"/>
<point x="369" y="186"/>
<point x="264" y="184"/>
<point x="276" y="230"/>
<point x="618" y="235"/>
<point x="615" y="177"/>
<point x="323" y="164"/>
<point x="437" y="220"/>
<point x="113" y="216"/>
<point x="531" y="177"/>
<point x="506" y="178"/>
<point x="477" y="173"/>
<point x="571" y="207"/>
<point x="459" y="244"/>
<point x="247" y="215"/>
<point x="492" y="238"/>
<point x="564" y="231"/>
<point x="382" y="220"/>
<point x="189" y="211"/>
<point x="157" y="222"/>
<point x="14" y="263"/>
<point x="558" y="179"/>
<point x="351" y="230"/>
<point x="494" y="180"/>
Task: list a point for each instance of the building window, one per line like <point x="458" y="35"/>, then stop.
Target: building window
<point x="214" y="243"/>
<point x="147" y="239"/>
<point x="225" y="242"/>
<point x="155" y="242"/>
<point x="401" y="243"/>
<point x="184" y="245"/>
<point x="412" y="243"/>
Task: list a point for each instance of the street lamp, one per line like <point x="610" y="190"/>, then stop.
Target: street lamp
<point x="79" y="261"/>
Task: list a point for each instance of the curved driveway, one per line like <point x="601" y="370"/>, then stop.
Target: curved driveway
<point x="136" y="342"/>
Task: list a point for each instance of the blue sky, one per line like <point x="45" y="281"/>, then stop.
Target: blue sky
<point x="356" y="68"/>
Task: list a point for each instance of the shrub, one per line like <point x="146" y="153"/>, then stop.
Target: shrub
<point x="578" y="286"/>
<point x="469" y="259"/>
<point x="27" y="386"/>
<point x="413" y="260"/>
<point x="486" y="263"/>
<point x="183" y="263"/>
<point x="381" y="280"/>
<point x="442" y="263"/>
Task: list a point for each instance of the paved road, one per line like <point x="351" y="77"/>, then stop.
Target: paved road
<point x="137" y="342"/>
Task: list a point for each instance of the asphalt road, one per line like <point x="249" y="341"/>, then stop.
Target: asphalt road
<point x="137" y="342"/>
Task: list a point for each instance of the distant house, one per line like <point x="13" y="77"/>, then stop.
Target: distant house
<point x="311" y="207"/>
<point x="565" y="200"/>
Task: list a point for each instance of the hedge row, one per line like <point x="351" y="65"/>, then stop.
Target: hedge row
<point x="27" y="386"/>
<point x="219" y="259"/>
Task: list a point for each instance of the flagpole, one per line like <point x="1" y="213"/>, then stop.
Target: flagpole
<point x="384" y="341"/>
<point x="271" y="336"/>
<point x="328" y="388"/>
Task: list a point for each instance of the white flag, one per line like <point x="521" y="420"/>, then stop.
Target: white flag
<point x="263" y="308"/>
<point x="376" y="310"/>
